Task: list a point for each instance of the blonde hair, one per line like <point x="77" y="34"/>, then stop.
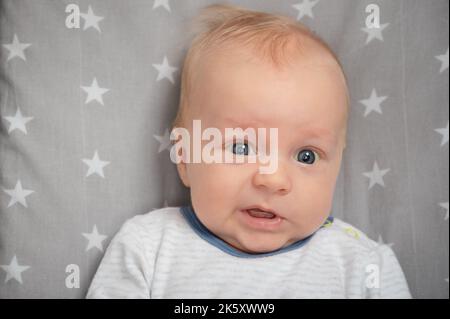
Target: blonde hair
<point x="221" y="24"/>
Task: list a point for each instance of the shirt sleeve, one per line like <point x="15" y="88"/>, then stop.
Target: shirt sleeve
<point x="124" y="271"/>
<point x="384" y="278"/>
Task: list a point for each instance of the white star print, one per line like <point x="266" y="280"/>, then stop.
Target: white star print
<point x="18" y="194"/>
<point x="164" y="141"/>
<point x="164" y="3"/>
<point x="444" y="61"/>
<point x="91" y="20"/>
<point x="94" y="92"/>
<point x="165" y="204"/>
<point x="95" y="239"/>
<point x="95" y="165"/>
<point x="16" y="49"/>
<point x="373" y="103"/>
<point x="376" y="175"/>
<point x="444" y="132"/>
<point x="445" y="206"/>
<point x="165" y="70"/>
<point x="381" y="242"/>
<point x="14" y="270"/>
<point x="375" y="33"/>
<point x="305" y="8"/>
<point x="17" y="121"/>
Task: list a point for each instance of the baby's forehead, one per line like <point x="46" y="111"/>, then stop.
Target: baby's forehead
<point x="292" y="64"/>
<point x="240" y="74"/>
<point x="230" y="69"/>
<point x="296" y="50"/>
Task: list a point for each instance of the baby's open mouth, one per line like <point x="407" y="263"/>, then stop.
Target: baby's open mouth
<point x="259" y="213"/>
<point x="261" y="218"/>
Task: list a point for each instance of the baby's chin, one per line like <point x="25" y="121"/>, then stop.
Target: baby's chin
<point x="260" y="246"/>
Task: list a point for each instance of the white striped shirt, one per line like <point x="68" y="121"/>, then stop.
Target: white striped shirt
<point x="161" y="254"/>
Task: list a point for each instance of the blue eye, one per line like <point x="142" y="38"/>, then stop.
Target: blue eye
<point x="241" y="148"/>
<point x="307" y="156"/>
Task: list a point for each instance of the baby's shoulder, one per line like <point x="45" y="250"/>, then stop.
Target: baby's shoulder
<point x="159" y="215"/>
<point x="344" y="237"/>
<point x="153" y="222"/>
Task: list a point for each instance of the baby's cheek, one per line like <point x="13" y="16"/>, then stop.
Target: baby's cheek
<point x="212" y="180"/>
<point x="315" y="199"/>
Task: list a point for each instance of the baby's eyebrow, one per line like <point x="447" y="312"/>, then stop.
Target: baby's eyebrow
<point x="248" y="123"/>
<point x="313" y="132"/>
<point x="317" y="133"/>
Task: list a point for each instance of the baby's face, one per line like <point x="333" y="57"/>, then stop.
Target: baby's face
<point x="306" y="102"/>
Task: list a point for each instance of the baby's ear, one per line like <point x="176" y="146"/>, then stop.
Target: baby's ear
<point x="180" y="159"/>
<point x="182" y="172"/>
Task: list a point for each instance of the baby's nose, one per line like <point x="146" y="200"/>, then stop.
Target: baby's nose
<point x="278" y="181"/>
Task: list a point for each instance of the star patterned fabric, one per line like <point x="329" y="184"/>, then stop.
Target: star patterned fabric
<point x="86" y="113"/>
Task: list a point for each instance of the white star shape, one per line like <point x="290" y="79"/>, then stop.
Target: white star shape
<point x="17" y="121"/>
<point x="94" y="92"/>
<point x="164" y="141"/>
<point x="14" y="270"/>
<point x="18" y="194"/>
<point x="375" y="33"/>
<point x="305" y="8"/>
<point x="91" y="20"/>
<point x="95" y="165"/>
<point x="95" y="239"/>
<point x="165" y="70"/>
<point x="444" y="132"/>
<point x="444" y="61"/>
<point x="16" y="49"/>
<point x="376" y="175"/>
<point x="373" y="103"/>
<point x="165" y="204"/>
<point x="164" y="3"/>
<point x="445" y="206"/>
<point x="382" y="243"/>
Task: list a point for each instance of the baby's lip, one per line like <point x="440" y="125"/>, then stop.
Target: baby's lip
<point x="263" y="208"/>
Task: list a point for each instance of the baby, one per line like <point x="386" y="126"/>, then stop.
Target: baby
<point x="249" y="234"/>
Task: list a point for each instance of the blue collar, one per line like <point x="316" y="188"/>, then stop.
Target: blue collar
<point x="203" y="232"/>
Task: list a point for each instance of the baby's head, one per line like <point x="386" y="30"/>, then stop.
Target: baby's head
<point x="248" y="69"/>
